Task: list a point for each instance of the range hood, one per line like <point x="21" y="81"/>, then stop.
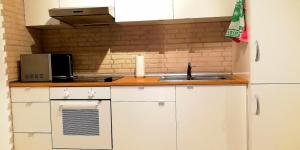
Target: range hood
<point x="84" y="16"/>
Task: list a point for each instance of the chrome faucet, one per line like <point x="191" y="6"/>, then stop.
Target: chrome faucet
<point x="189" y="71"/>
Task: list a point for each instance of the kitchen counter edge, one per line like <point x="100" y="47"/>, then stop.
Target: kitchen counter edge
<point x="131" y="81"/>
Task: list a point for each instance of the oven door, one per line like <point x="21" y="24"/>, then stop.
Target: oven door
<point x="81" y="124"/>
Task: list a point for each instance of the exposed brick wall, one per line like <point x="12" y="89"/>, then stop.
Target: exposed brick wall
<point x="19" y="39"/>
<point x="167" y="48"/>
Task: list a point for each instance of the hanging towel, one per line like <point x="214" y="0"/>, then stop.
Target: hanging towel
<point x="244" y="35"/>
<point x="237" y="26"/>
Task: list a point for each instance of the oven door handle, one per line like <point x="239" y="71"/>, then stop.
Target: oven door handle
<point x="79" y="105"/>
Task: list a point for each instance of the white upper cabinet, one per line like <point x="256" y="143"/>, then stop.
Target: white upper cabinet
<point x="203" y="8"/>
<point x="36" y="11"/>
<point x="143" y="10"/>
<point x="37" y="14"/>
<point x="85" y="3"/>
<point x="274" y="24"/>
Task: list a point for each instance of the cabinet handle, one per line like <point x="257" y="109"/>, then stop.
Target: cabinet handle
<point x="79" y="105"/>
<point x="161" y="103"/>
<point x="141" y="87"/>
<point x="190" y="87"/>
<point x="29" y="104"/>
<point x="257" y="56"/>
<point x="257" y="112"/>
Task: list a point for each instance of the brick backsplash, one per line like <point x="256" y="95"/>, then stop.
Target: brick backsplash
<point x="18" y="39"/>
<point x="167" y="48"/>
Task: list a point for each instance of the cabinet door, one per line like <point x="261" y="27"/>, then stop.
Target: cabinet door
<point x="211" y="117"/>
<point x="275" y="125"/>
<point x="31" y="117"/>
<point x="32" y="141"/>
<point x="203" y="8"/>
<point x="277" y="35"/>
<point x="143" y="93"/>
<point x="85" y="3"/>
<point x="30" y="94"/>
<point x="144" y="125"/>
<point x="37" y="12"/>
<point x="141" y="10"/>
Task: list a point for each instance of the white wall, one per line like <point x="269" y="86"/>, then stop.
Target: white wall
<point x="241" y="59"/>
<point x="5" y="130"/>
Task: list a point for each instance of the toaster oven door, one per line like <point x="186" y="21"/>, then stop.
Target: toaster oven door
<point x="36" y="67"/>
<point x="81" y="124"/>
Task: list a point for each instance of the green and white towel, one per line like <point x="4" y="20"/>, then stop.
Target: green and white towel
<point x="237" y="24"/>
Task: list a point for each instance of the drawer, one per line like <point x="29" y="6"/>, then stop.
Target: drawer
<point x="80" y="93"/>
<point x="31" y="117"/>
<point x="32" y="141"/>
<point x="30" y="94"/>
<point x="143" y="93"/>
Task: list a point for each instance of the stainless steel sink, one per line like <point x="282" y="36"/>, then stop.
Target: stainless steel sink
<point x="194" y="77"/>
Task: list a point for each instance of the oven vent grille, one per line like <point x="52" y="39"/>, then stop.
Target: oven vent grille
<point x="83" y="122"/>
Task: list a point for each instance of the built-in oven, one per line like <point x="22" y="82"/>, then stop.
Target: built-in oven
<point x="80" y="118"/>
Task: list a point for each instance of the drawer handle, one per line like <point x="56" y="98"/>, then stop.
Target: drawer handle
<point x="190" y="87"/>
<point x="161" y="103"/>
<point x="141" y="87"/>
<point x="29" y="104"/>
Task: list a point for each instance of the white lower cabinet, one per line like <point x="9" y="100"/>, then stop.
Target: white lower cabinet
<point x="32" y="141"/>
<point x="31" y="117"/>
<point x="211" y="117"/>
<point x="143" y="93"/>
<point x="144" y="125"/>
<point x="274" y="117"/>
<point x="29" y="94"/>
<point x="161" y="118"/>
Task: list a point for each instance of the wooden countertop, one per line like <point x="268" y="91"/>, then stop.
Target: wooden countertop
<point x="131" y="81"/>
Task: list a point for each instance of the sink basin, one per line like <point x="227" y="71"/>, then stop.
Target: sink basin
<point x="194" y="77"/>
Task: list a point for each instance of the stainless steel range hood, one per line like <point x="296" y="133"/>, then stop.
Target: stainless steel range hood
<point x="84" y="16"/>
